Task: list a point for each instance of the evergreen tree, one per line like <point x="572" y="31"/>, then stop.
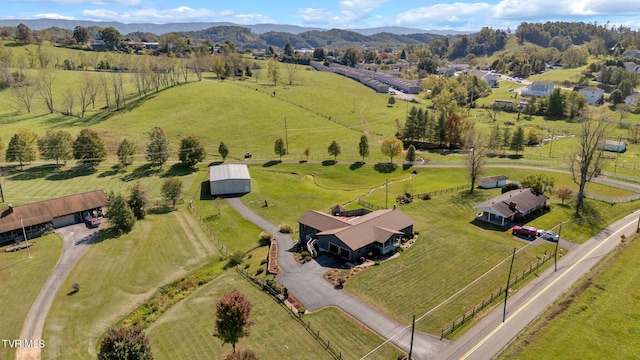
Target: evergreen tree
<point x="21" y="147"/>
<point x="138" y="201"/>
<point x="120" y="215"/>
<point x="223" y="150"/>
<point x="411" y="154"/>
<point x="518" y="140"/>
<point x="555" y="106"/>
<point x="506" y="139"/>
<point x="363" y="146"/>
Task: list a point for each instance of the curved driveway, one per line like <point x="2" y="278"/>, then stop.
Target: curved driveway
<point x="307" y="284"/>
<point x="75" y="241"/>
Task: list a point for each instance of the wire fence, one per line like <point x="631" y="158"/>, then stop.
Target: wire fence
<point x="223" y="249"/>
<point x="275" y="294"/>
<point x="457" y="323"/>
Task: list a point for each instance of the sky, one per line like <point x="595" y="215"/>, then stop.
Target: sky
<point x="460" y="15"/>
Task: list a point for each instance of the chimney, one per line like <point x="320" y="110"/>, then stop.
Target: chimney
<point x="512" y="205"/>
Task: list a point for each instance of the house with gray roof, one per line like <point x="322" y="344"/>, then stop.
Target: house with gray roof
<point x="510" y="206"/>
<point x="538" y="88"/>
<point x="352" y="237"/>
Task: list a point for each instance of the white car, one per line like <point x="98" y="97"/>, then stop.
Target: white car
<point x="548" y="235"/>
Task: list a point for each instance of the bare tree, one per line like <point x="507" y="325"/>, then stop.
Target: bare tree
<point x="68" y="100"/>
<point x="292" y="69"/>
<point x="104" y="84"/>
<point x="24" y="93"/>
<point x="87" y="92"/>
<point x="476" y="155"/>
<point x="586" y="161"/>
<point x="44" y="83"/>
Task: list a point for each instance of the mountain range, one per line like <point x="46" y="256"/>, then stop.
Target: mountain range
<point x="159" y="29"/>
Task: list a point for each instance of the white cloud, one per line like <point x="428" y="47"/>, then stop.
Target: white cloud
<point x="552" y="9"/>
<point x="53" y="16"/>
<point x="354" y="10"/>
<point x="315" y="15"/>
<point x="445" y="15"/>
<point x="181" y="13"/>
<point x="96" y="2"/>
<point x="249" y="19"/>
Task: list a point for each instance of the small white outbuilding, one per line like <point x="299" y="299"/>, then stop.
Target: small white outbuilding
<point x="229" y="179"/>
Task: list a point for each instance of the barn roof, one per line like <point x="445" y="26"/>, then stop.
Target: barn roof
<point x="44" y="211"/>
<point x="228" y="172"/>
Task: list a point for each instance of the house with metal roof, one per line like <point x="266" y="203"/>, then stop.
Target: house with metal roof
<point x="352" y="237"/>
<point x="228" y="179"/>
<point x="538" y="88"/>
<point x="491" y="182"/>
<point x="37" y="217"/>
<point x="510" y="206"/>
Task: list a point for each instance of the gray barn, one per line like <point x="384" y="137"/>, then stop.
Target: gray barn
<point x="229" y="179"/>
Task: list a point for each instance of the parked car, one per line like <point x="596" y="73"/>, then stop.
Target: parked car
<point x="247" y="155"/>
<point x="92" y="222"/>
<point x="524" y="230"/>
<point x="549" y="235"/>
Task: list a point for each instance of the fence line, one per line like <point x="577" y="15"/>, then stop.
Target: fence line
<point x="370" y="205"/>
<point x="326" y="344"/>
<point x="223" y="249"/>
<point x="444" y="191"/>
<point x="449" y="329"/>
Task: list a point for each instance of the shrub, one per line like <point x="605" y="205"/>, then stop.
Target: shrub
<point x="301" y="310"/>
<point x="246" y="266"/>
<point x="510" y="186"/>
<point x="264" y="261"/>
<point x="235" y="259"/>
<point x="285" y="228"/>
<point x="240" y="354"/>
<point x="426" y="196"/>
<point x="376" y="263"/>
<point x="76" y="287"/>
<point x="265" y="238"/>
<point x="304" y="254"/>
<point x="259" y="271"/>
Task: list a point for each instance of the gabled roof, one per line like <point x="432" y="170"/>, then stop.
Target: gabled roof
<point x="592" y="88"/>
<point x="44" y="211"/>
<point x="492" y="179"/>
<point x="511" y="202"/>
<point x="228" y="172"/>
<point x="359" y="231"/>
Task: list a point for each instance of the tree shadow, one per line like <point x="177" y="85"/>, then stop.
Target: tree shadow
<point x="385" y="168"/>
<point x="356" y="165"/>
<point x="406" y="166"/>
<point x="589" y="217"/>
<point x="216" y="163"/>
<point x="36" y="172"/>
<point x="112" y="172"/>
<point x="271" y="163"/>
<point x="76" y="171"/>
<point x="179" y="170"/>
<point x="329" y="162"/>
<point x="141" y="172"/>
<point x="160" y="210"/>
<point x="303" y="161"/>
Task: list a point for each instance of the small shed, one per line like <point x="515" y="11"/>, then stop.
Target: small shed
<point x="229" y="179"/>
<point x="613" y="146"/>
<point x="491" y="182"/>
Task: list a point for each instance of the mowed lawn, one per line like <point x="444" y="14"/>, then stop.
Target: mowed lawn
<point x="185" y="332"/>
<point x="21" y="280"/>
<point x="597" y="319"/>
<point x="117" y="274"/>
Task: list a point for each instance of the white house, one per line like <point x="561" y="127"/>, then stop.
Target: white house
<point x="538" y="88"/>
<point x="631" y="99"/>
<point x="229" y="179"/>
<point x="592" y="93"/>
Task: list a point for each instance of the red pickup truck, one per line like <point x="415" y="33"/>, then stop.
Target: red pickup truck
<point x="525" y="230"/>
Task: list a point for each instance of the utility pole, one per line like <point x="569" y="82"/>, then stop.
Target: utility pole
<point x="386" y="201"/>
<point x="286" y="135"/>
<point x="553" y="135"/>
<point x="1" y="192"/>
<point x="413" y="329"/>
<point x="555" y="255"/>
<point x="25" y="237"/>
<point x="506" y="291"/>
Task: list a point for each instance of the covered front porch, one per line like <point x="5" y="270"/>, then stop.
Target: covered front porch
<point x="495" y="219"/>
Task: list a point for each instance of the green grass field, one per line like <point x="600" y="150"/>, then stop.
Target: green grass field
<point x="596" y="319"/>
<point x="21" y="280"/>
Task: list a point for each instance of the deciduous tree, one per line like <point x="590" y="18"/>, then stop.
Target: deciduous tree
<point x="307" y="152"/>
<point x="475" y="156"/>
<point x="126" y="150"/>
<point x="56" y="145"/>
<point x="232" y="318"/>
<point x="334" y="149"/>
<point x="391" y="147"/>
<point x="563" y="194"/>
<point x="273" y="71"/>
<point x="21" y="147"/>
<point x="192" y="150"/>
<point x="279" y="148"/>
<point x="125" y="343"/>
<point x="89" y="148"/>
<point x="172" y="190"/>
<point x="158" y="147"/>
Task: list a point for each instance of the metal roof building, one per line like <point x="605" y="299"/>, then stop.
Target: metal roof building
<point x="229" y="179"/>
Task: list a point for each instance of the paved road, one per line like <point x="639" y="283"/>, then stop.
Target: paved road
<point x="306" y="283"/>
<point x="490" y="335"/>
<point x="75" y="241"/>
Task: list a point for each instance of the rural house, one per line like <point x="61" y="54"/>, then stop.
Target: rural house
<point x="510" y="206"/>
<point x="538" y="88"/>
<point x="229" y="179"/>
<point x="593" y="94"/>
<point x="43" y="215"/>
<point x="352" y="237"/>
<point x="491" y="182"/>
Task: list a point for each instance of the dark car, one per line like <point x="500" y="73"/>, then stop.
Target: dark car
<point x="247" y="155"/>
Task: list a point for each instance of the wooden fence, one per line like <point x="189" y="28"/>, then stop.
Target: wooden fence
<point x="326" y="344"/>
<point x="450" y="328"/>
<point x="223" y="249"/>
<point x="441" y="192"/>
